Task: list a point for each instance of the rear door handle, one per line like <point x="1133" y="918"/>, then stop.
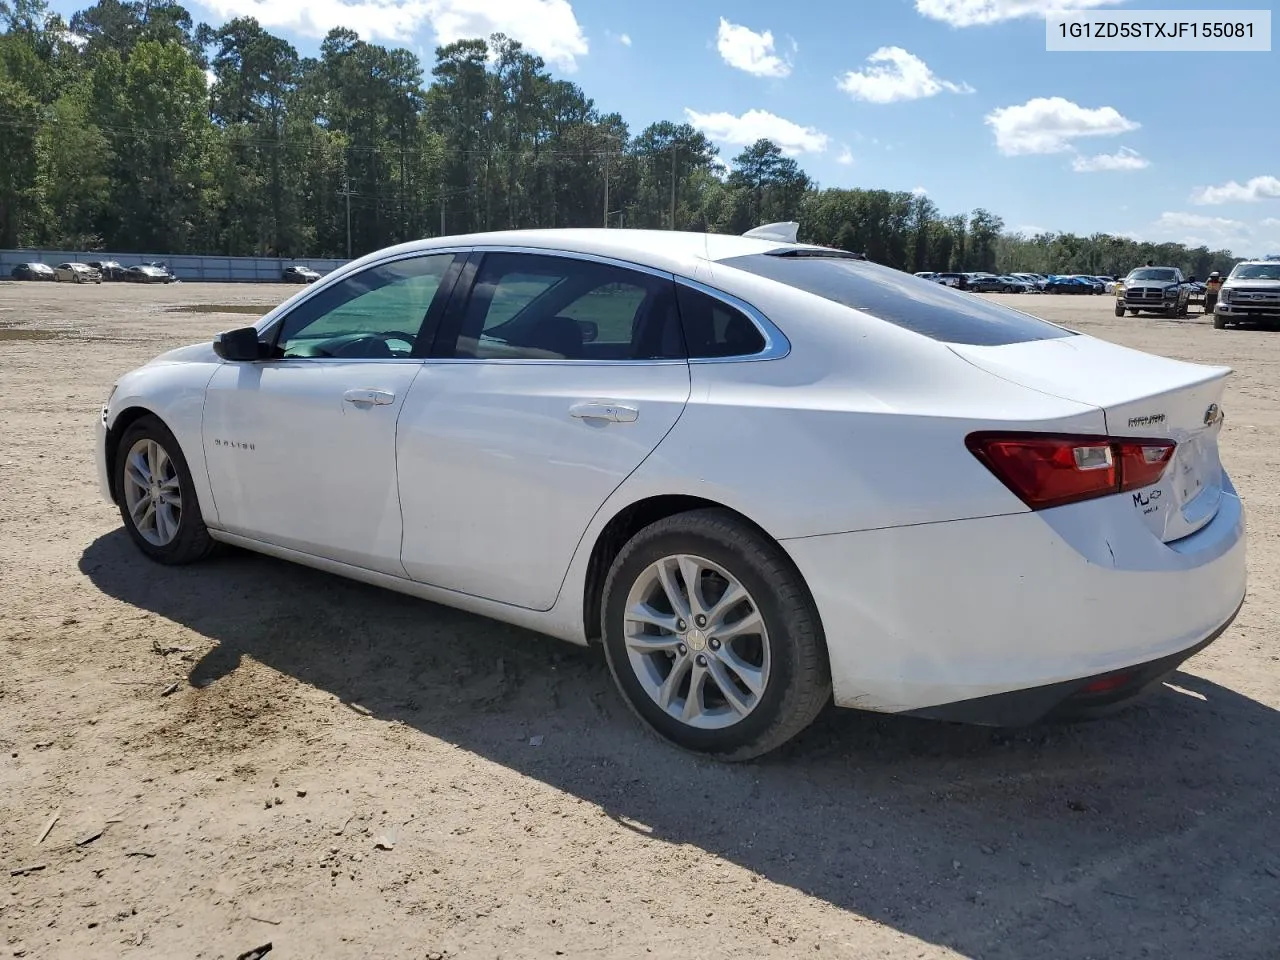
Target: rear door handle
<point x="600" y="410"/>
<point x="366" y="396"/>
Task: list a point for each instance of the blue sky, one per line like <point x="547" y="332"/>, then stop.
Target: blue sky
<point x="955" y="97"/>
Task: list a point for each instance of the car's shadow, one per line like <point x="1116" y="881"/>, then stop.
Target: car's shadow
<point x="1151" y="833"/>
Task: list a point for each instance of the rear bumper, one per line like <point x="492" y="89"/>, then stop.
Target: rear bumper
<point x="1071" y="699"/>
<point x="935" y="615"/>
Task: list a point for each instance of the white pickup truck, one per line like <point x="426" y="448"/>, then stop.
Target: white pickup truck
<point x="1250" y="294"/>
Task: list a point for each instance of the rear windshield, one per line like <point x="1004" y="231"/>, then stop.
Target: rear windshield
<point x="921" y="306"/>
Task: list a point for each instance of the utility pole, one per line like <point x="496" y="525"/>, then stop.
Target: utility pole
<point x="606" y="189"/>
<point x="442" y="208"/>
<point x="674" y="148"/>
<point x="346" y="192"/>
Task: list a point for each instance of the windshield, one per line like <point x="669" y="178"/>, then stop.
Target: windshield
<point x="921" y="306"/>
<point x="1155" y="273"/>
<point x="1256" y="271"/>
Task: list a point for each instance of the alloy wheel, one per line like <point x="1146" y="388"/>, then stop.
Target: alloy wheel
<point x="152" y="492"/>
<point x="696" y="641"/>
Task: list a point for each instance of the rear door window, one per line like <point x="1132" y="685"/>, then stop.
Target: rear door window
<point x="925" y="307"/>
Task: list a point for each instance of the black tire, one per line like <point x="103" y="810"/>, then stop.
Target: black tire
<point x="1119" y="311"/>
<point x="192" y="542"/>
<point x="799" y="681"/>
<point x="1219" y="323"/>
<point x="1133" y="313"/>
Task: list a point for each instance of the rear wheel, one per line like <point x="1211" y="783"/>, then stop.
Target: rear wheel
<point x="712" y="638"/>
<point x="1133" y="313"/>
<point x="157" y="497"/>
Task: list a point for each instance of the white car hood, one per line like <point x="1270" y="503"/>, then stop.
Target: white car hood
<point x="194" y="353"/>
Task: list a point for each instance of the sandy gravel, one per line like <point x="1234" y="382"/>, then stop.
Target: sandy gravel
<point x="314" y="718"/>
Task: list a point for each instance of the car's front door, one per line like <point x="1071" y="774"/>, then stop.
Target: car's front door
<point x="549" y="384"/>
<point x="301" y="447"/>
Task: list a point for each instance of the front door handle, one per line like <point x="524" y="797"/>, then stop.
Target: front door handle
<point x="368" y="397"/>
<point x="601" y="410"/>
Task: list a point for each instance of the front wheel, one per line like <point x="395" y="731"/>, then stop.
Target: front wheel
<point x="157" y="497"/>
<point x="1133" y="313"/>
<point x="1219" y="323"/>
<point x="712" y="637"/>
<point x="1119" y="310"/>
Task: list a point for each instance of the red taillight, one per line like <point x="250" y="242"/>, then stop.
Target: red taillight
<point x="1049" y="470"/>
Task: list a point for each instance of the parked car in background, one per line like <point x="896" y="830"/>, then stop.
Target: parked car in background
<point x="1035" y="281"/>
<point x="76" y="273"/>
<point x="110" y="269"/>
<point x="1014" y="284"/>
<point x="1093" y="283"/>
<point x="925" y="274"/>
<point x="1251" y="292"/>
<point x="147" y="273"/>
<point x="598" y="488"/>
<point x="957" y="280"/>
<point x="1066" y="284"/>
<point x="295" y="273"/>
<point x="33" y="271"/>
<point x="987" y="283"/>
<point x="1154" y="290"/>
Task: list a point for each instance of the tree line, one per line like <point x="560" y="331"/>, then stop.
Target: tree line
<point x="133" y="128"/>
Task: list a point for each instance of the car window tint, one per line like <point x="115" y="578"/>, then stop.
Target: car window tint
<point x="543" y="307"/>
<point x="376" y="313"/>
<point x="712" y="328"/>
<point x="930" y="309"/>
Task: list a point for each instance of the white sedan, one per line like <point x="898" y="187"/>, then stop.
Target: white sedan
<point x="766" y="476"/>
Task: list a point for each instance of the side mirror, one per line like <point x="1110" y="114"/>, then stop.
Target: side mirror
<point x="590" y="330"/>
<point x="1191" y="279"/>
<point x="241" y="345"/>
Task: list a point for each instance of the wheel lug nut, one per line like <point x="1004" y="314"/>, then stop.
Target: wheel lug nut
<point x="683" y="649"/>
<point x="700" y="620"/>
<point x="702" y="661"/>
<point x="681" y="625"/>
<point x="714" y="643"/>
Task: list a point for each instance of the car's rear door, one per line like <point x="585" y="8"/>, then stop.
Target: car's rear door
<point x="301" y="449"/>
<point x="553" y="377"/>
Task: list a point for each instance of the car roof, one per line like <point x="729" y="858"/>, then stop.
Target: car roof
<point x="674" y="251"/>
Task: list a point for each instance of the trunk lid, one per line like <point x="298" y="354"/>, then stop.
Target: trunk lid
<point x="1140" y="395"/>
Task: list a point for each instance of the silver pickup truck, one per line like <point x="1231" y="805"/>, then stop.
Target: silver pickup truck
<point x="1250" y="294"/>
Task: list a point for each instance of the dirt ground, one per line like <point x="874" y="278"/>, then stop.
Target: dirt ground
<point x="316" y="722"/>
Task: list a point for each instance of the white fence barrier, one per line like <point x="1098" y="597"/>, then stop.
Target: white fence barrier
<point x="185" y="267"/>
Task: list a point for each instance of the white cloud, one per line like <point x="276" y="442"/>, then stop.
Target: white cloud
<point x="548" y="28"/>
<point x="894" y="74"/>
<point x="759" y="124"/>
<point x="1126" y="158"/>
<point x="1259" y="188"/>
<point x="975" y="13"/>
<point x="845" y="158"/>
<point x="1198" y="221"/>
<point x="747" y="50"/>
<point x="1269" y="222"/>
<point x="1195" y="229"/>
<point x="1050" y="124"/>
<point x="624" y="39"/>
<point x="918" y="191"/>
